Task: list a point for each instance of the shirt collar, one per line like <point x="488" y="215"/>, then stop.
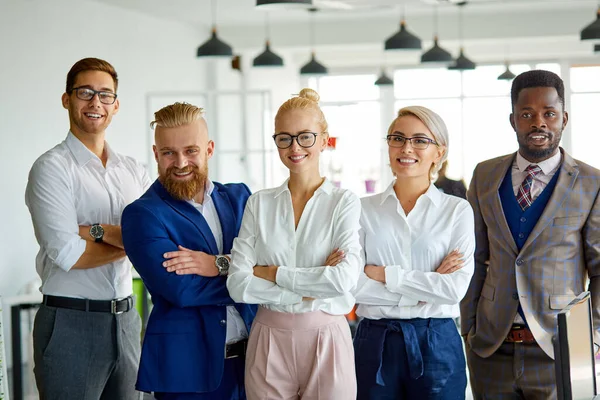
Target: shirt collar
<point x="83" y="155"/>
<point x="547" y="166"/>
<point x="432" y="193"/>
<point x="209" y="187"/>
<point x="326" y="187"/>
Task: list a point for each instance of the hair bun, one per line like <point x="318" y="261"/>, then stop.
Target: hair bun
<point x="309" y="94"/>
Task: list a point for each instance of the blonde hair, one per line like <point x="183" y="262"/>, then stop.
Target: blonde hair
<point x="307" y="99"/>
<point x="436" y="126"/>
<point x="177" y="114"/>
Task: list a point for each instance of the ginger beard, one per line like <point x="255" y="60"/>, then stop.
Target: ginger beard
<point x="184" y="189"/>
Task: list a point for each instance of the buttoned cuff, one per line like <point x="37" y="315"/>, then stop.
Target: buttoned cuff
<point x="285" y="277"/>
<point x="394" y="278"/>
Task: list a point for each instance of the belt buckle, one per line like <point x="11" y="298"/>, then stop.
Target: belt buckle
<point x="113" y="306"/>
<point x="231" y="345"/>
<point x="519" y="333"/>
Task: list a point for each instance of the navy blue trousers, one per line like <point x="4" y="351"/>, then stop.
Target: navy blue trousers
<point x="409" y="359"/>
<point x="231" y="387"/>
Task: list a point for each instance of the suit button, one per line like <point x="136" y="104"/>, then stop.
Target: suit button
<point x="520" y="262"/>
<point x="521" y="235"/>
<point x="223" y="322"/>
<point x="523" y="219"/>
<point x="515" y="296"/>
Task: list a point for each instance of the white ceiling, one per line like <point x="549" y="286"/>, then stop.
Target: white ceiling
<point x="244" y="12"/>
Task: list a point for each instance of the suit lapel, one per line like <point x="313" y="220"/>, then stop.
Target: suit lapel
<point x="226" y="217"/>
<point x="497" y="174"/>
<point x="188" y="211"/>
<point x="564" y="185"/>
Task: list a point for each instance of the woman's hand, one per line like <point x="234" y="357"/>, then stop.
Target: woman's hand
<point x="375" y="272"/>
<point x="451" y="263"/>
<point x="335" y="257"/>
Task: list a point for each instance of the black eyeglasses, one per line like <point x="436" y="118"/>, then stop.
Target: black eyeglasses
<point x="88" y="94"/>
<point x="304" y="139"/>
<point x="419" y="143"/>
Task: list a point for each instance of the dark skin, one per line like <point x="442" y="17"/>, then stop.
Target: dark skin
<point x="538" y="119"/>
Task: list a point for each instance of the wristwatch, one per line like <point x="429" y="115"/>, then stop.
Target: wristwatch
<point x="97" y="232"/>
<point x="222" y="264"/>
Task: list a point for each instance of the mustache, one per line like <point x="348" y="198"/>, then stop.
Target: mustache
<point x="540" y="131"/>
<point x="184" y="170"/>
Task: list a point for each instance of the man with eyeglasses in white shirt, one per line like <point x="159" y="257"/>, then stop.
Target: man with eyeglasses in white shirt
<point x="86" y="335"/>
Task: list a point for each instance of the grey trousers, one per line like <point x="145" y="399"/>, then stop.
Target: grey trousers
<point x="83" y="355"/>
<point x="516" y="371"/>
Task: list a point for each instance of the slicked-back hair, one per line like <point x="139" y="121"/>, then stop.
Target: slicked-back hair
<point x="177" y="114"/>
<point x="90" y="64"/>
<point x="537" y="78"/>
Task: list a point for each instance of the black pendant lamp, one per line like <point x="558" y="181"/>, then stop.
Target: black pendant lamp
<point x="313" y="67"/>
<point x="403" y="39"/>
<point x="507" y="75"/>
<point x="462" y="63"/>
<point x="279" y="4"/>
<point x="592" y="31"/>
<point x="214" y="47"/>
<point x="384" y="80"/>
<point x="597" y="48"/>
<point x="267" y="58"/>
<point x="436" y="54"/>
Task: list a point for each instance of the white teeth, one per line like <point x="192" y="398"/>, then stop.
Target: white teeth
<point x="296" y="158"/>
<point x="407" y="160"/>
<point x="92" y="115"/>
<point x="182" y="173"/>
<point x="538" y="137"/>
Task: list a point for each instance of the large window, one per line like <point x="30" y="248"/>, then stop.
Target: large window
<point x="585" y="98"/>
<point x="353" y="111"/>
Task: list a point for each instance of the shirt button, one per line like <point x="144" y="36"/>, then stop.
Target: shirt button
<point x="521" y="235"/>
<point x="223" y="322"/>
<point x="515" y="296"/>
<point x="520" y="262"/>
<point x="523" y="219"/>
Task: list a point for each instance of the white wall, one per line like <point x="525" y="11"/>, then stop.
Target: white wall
<point x="39" y="42"/>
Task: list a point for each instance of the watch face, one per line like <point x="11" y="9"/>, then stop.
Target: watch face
<point x="223" y="262"/>
<point x="96" y="231"/>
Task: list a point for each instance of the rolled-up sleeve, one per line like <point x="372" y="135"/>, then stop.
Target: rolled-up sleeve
<point x="49" y="198"/>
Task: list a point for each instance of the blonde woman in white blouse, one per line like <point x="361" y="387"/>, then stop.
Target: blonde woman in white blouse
<point x="418" y="249"/>
<point x="298" y="256"/>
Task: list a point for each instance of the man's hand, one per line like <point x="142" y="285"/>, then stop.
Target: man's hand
<point x="451" y="263"/>
<point x="186" y="262"/>
<point x="267" y="272"/>
<point x="335" y="257"/>
<point x="375" y="272"/>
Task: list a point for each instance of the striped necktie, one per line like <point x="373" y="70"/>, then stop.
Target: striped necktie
<point x="524" y="193"/>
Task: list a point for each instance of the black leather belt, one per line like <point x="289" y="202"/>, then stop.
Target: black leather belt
<point x="115" y="306"/>
<point x="236" y="349"/>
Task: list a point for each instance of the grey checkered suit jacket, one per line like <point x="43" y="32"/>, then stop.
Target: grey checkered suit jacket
<point x="562" y="251"/>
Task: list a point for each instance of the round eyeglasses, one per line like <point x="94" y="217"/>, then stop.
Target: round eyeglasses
<point x="419" y="143"/>
<point x="87" y="94"/>
<point x="304" y="139"/>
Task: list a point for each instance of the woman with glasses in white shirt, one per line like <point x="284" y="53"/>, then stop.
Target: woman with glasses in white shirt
<point x="418" y="248"/>
<point x="298" y="256"/>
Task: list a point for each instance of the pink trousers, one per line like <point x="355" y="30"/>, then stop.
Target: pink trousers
<point x="300" y="356"/>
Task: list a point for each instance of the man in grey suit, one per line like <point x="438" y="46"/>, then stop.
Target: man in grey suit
<point x="537" y="222"/>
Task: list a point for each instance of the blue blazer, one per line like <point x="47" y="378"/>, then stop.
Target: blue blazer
<point x="183" y="349"/>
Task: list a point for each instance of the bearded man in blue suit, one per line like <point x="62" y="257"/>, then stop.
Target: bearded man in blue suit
<point x="178" y="235"/>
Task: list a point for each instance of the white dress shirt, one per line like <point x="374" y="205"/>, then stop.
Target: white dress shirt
<point x="68" y="186"/>
<point x="268" y="236"/>
<point x="412" y="247"/>
<point x="236" y="329"/>
<point x="541" y="180"/>
<point x="539" y="183"/>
